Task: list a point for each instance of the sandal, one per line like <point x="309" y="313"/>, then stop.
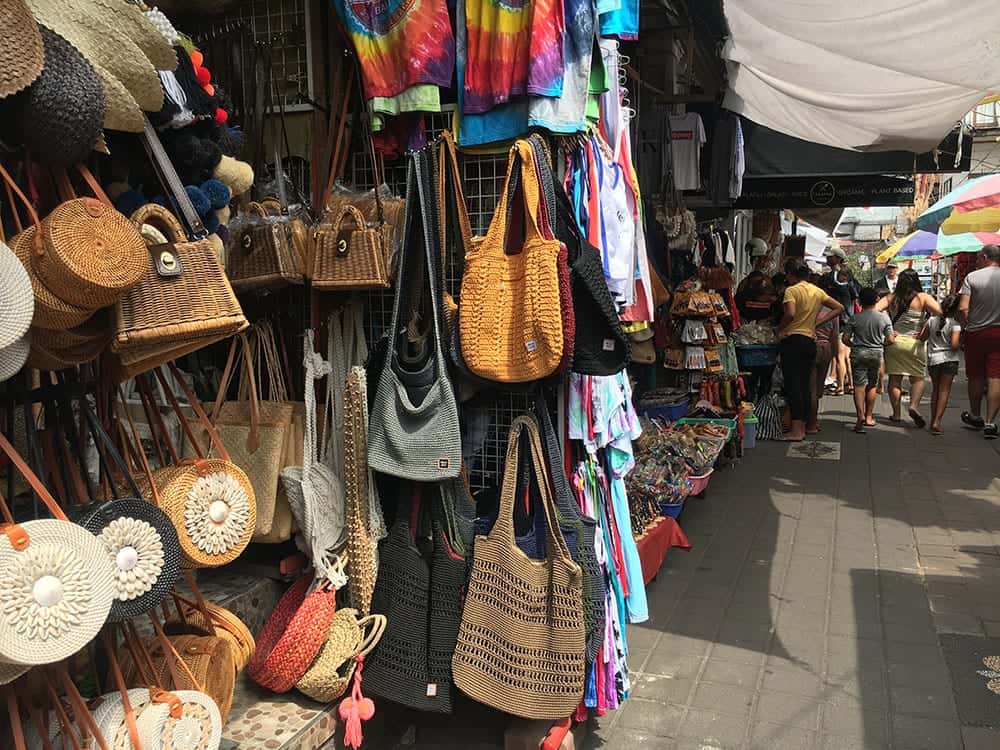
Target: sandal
<point x="990" y="431"/>
<point x="918" y="420"/>
<point x="972" y="422"/>
<point x="860" y="428"/>
<point x="936" y="431"/>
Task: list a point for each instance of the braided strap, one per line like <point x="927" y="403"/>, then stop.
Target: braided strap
<point x="292" y="636"/>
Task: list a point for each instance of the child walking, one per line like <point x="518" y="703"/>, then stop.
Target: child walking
<point x="943" y="335"/>
<point x="867" y="333"/>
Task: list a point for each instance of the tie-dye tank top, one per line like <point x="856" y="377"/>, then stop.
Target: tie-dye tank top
<point x="399" y="43"/>
<point x="514" y="47"/>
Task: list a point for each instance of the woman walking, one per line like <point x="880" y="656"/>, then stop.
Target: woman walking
<point x="907" y="306"/>
<point x="802" y="303"/>
<point x="943" y="335"/>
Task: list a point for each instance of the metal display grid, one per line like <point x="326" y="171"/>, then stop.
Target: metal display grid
<point x="482" y="182"/>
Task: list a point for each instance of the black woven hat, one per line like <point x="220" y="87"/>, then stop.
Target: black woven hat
<point x="60" y="116"/>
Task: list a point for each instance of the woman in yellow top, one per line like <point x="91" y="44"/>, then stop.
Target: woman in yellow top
<point x="802" y="304"/>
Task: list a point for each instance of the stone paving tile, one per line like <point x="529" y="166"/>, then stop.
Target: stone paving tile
<point x="807" y="615"/>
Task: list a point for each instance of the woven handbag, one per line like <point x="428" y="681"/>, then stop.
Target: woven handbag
<point x="210" y="500"/>
<point x="349" y="639"/>
<point x="522" y="640"/>
<point x="202" y="617"/>
<point x="265" y="255"/>
<point x="184" y="301"/>
<point x="349" y="254"/>
<point x="413" y="430"/>
<point x="255" y="431"/>
<point x="50" y="312"/>
<point x="139" y="539"/>
<point x="570" y="514"/>
<point x="362" y="548"/>
<point x="58" y="585"/>
<point x="293" y="635"/>
<point x="209" y="666"/>
<point x="90" y="254"/>
<point x="509" y="311"/>
<point x="398" y="669"/>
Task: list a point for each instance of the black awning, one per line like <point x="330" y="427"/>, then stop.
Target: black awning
<point x="825" y="192"/>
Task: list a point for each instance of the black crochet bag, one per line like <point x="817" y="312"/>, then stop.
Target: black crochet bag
<point x="601" y="346"/>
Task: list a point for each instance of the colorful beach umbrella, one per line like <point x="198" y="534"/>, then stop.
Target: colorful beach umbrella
<point x="976" y="194"/>
<point x="967" y="242"/>
<point x="980" y="220"/>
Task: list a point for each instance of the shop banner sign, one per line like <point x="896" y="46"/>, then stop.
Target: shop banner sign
<point x="825" y="192"/>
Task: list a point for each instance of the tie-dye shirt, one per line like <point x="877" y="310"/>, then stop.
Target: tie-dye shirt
<point x="399" y="43"/>
<point x="513" y="48"/>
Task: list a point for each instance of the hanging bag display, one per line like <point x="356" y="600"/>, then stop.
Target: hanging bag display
<point x="362" y="543"/>
<point x="509" y="312"/>
<point x="210" y="500"/>
<point x="349" y="640"/>
<point x="58" y="584"/>
<point x="515" y="607"/>
<point x="139" y="538"/>
<point x="265" y="255"/>
<point x="413" y="431"/>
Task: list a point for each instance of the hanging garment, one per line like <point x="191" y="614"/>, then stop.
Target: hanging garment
<point x="400" y="43"/>
<point x="568" y="113"/>
<point x="622" y="20"/>
<point x="687" y="138"/>
<point x="512" y="50"/>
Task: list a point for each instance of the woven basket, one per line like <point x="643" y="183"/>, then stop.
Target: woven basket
<point x="134" y="524"/>
<point x="265" y="255"/>
<point x="17" y="303"/>
<point x="292" y="636"/>
<point x="197" y="303"/>
<point x="91" y="254"/>
<point x="97" y="328"/>
<point x="188" y="494"/>
<point x="224" y="624"/>
<point x="45" y="356"/>
<point x="14" y="357"/>
<point x="361" y="548"/>
<point x="209" y="658"/>
<point x="329" y="676"/>
<point x="78" y="584"/>
<point x="197" y="724"/>
<point x="51" y="312"/>
<point x="349" y="254"/>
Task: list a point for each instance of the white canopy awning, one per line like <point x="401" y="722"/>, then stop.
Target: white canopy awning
<point x="868" y="75"/>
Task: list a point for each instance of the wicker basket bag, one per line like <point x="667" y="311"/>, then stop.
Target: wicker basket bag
<point x="521" y="643"/>
<point x="349" y="639"/>
<point x="183" y="295"/>
<point x="350" y="254"/>
<point x="210" y="500"/>
<point x="266" y="255"/>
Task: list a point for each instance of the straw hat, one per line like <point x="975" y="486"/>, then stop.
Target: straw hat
<point x="60" y="116"/>
<point x="103" y="45"/>
<point x="17" y="302"/>
<point x="138" y="27"/>
<point x="21" y="55"/>
<point x="14" y="356"/>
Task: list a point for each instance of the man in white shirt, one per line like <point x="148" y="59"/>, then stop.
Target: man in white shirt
<point x="979" y="314"/>
<point x="887" y="284"/>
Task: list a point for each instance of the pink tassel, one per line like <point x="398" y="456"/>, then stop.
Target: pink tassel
<point x="354" y="709"/>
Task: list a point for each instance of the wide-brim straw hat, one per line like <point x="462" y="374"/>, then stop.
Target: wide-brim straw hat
<point x="17" y="302"/>
<point x="94" y="31"/>
<point x="60" y="117"/>
<point x="14" y="356"/>
<point x="21" y="51"/>
<point x="137" y="26"/>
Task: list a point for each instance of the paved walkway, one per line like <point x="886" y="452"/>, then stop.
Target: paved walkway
<point x="828" y="602"/>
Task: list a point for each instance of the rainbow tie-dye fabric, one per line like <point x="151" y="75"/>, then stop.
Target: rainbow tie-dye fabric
<point x="514" y="48"/>
<point x="400" y="43"/>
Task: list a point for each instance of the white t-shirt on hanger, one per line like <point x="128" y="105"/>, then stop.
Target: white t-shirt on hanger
<point x="688" y="133"/>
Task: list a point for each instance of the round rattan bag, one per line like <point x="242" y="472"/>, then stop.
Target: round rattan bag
<point x="181" y="720"/>
<point x="91" y="254"/>
<point x="224" y="624"/>
<point x="57" y="584"/>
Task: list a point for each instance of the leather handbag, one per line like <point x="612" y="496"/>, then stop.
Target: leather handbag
<point x="509" y="312"/>
<point x="521" y="646"/>
<point x="265" y="254"/>
<point x="413" y="432"/>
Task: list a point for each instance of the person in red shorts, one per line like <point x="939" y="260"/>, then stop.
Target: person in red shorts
<point x="979" y="312"/>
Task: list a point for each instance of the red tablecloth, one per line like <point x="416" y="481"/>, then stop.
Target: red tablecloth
<point x="655" y="542"/>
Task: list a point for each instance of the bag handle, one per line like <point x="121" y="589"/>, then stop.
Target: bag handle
<point x="196" y="405"/>
<point x="186" y="431"/>
<point x="80" y="710"/>
<point x="504" y="527"/>
<point x="10" y="185"/>
<point x="116" y="671"/>
<point x="336" y="158"/>
<point x="157" y="216"/>
<point x="137" y="448"/>
<point x="10" y="697"/>
<point x="521" y="156"/>
<point x="102" y="437"/>
<point x="456" y="229"/>
<point x="373" y="628"/>
<point x="36" y="485"/>
<point x="246" y="370"/>
<point x="155" y="421"/>
<point x="61" y="716"/>
<point x="168" y="175"/>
